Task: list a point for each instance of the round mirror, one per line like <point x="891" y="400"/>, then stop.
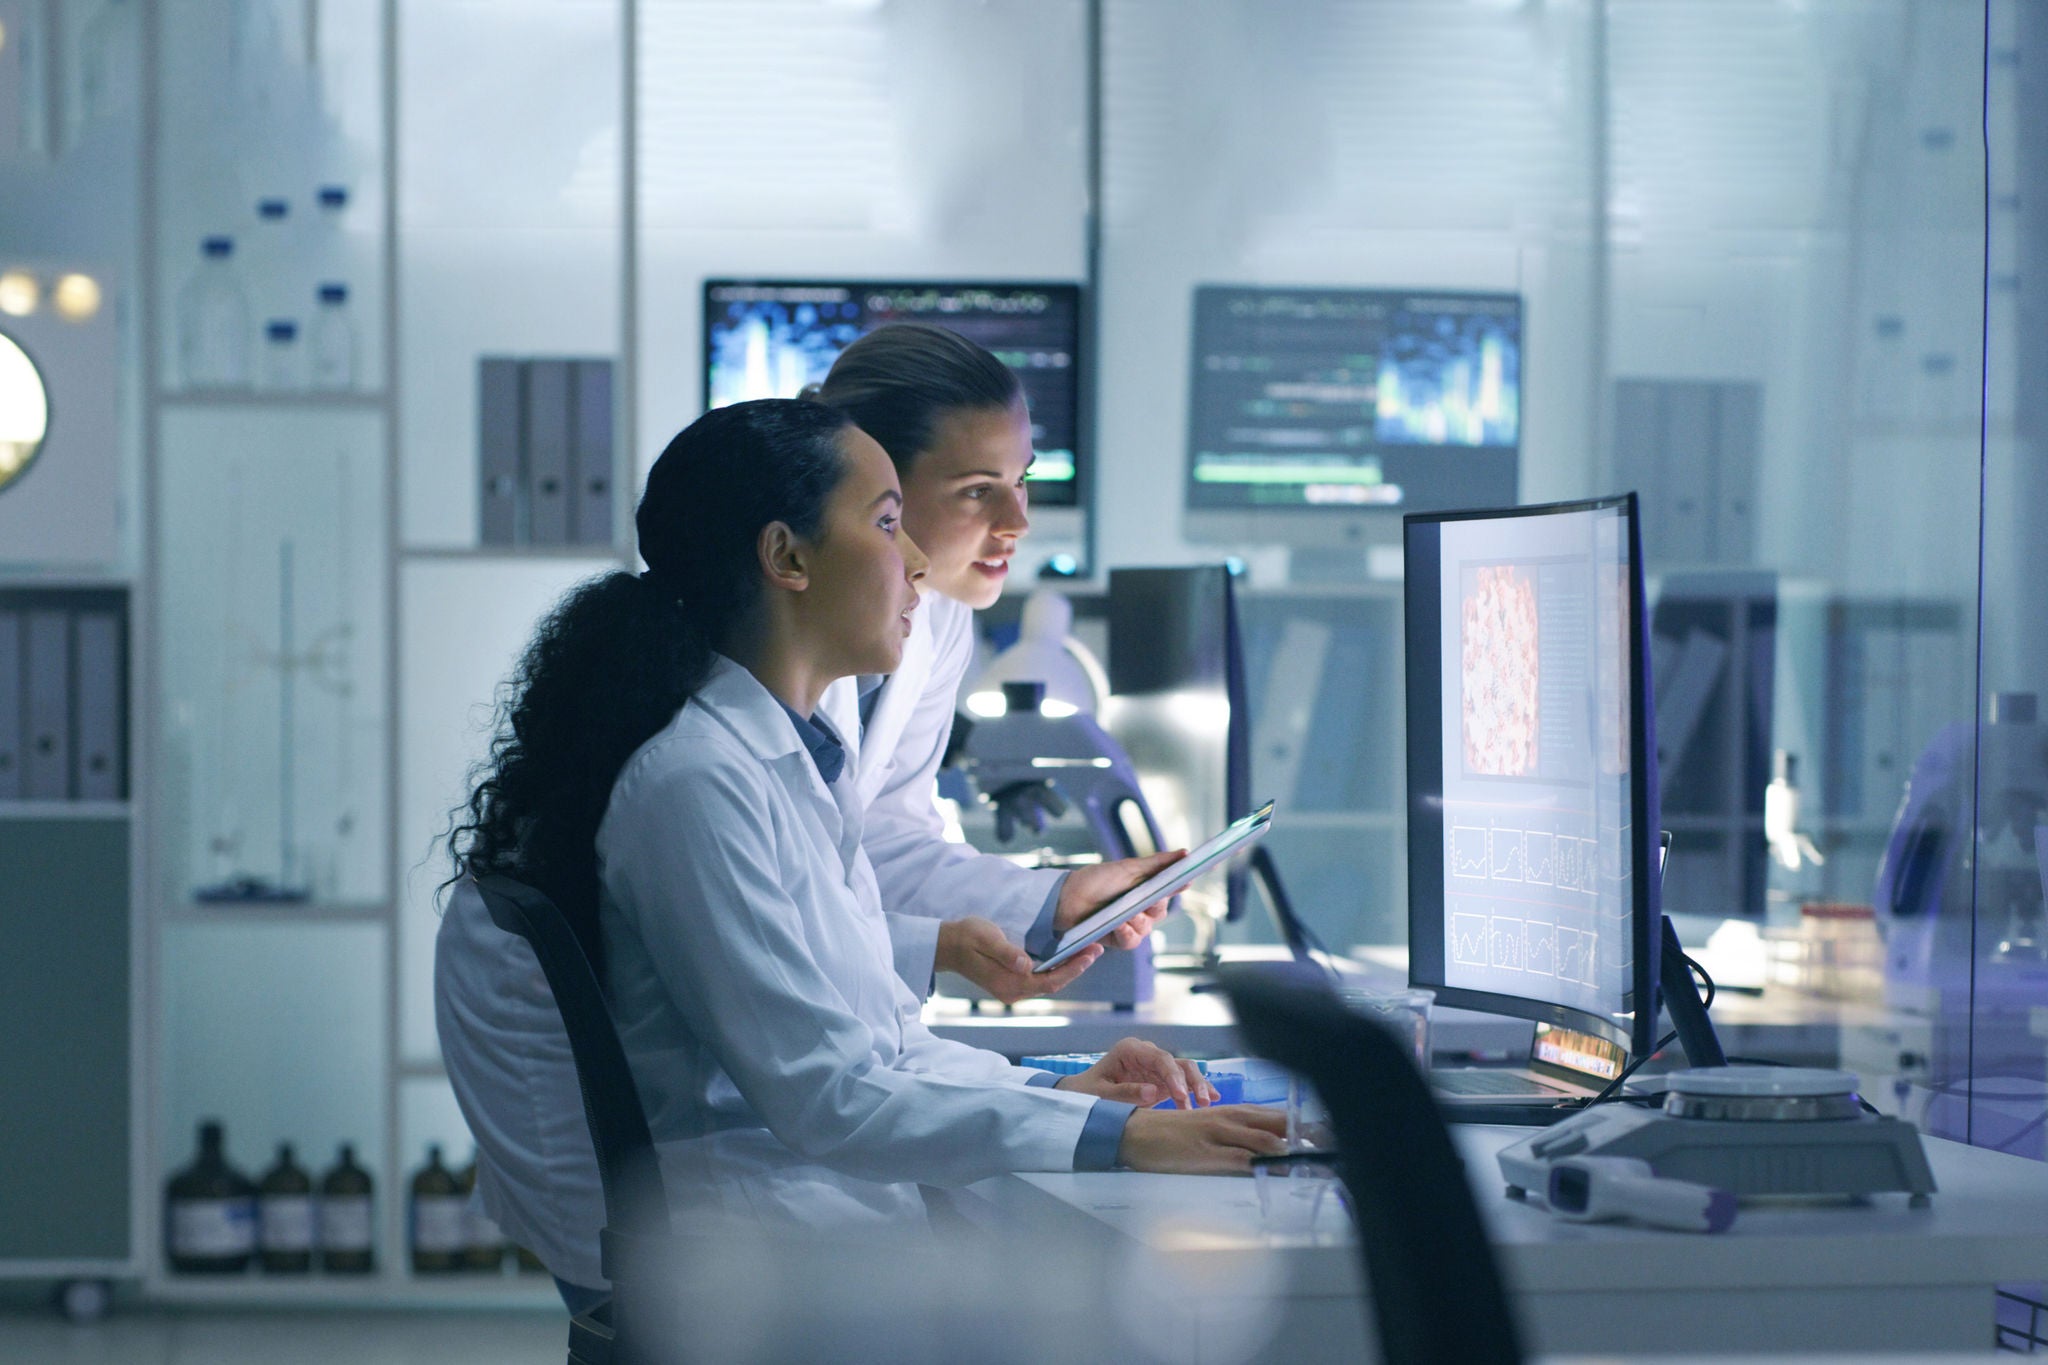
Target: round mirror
<point x="24" y="411"/>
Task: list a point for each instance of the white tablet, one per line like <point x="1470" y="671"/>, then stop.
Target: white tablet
<point x="1235" y="838"/>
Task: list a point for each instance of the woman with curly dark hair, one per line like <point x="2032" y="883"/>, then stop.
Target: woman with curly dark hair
<point x="666" y="775"/>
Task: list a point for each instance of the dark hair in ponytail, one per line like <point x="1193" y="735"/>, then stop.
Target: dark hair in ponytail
<point x="898" y="381"/>
<point x="620" y="655"/>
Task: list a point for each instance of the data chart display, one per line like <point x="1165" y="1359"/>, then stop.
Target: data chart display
<point x="770" y="338"/>
<point x="1353" y="397"/>
<point x="1536" y="800"/>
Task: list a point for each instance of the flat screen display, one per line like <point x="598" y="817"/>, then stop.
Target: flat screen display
<point x="1353" y="398"/>
<point x="1532" y="808"/>
<point x="769" y="338"/>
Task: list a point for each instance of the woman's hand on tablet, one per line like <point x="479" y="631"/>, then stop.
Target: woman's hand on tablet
<point x="1088" y="889"/>
<point x="976" y="949"/>
<point x="1142" y="1073"/>
<point x="1218" y="1141"/>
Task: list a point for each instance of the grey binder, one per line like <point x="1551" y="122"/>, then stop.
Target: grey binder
<point x="547" y="451"/>
<point x="12" y="679"/>
<point x="98" y="695"/>
<point x="497" y="451"/>
<point x="46" y="770"/>
<point x="590" y="454"/>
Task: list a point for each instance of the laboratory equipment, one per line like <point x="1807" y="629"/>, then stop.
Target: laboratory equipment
<point x="283" y="371"/>
<point x="1597" y="1189"/>
<point x="110" y="60"/>
<point x="1753" y="1131"/>
<point x="769" y="338"/>
<point x="437" y="1224"/>
<point x="1940" y="890"/>
<point x="24" y="411"/>
<point x="213" y="321"/>
<point x="209" y="1212"/>
<point x="483" y="1245"/>
<point x="1317" y="416"/>
<point x="1021" y="755"/>
<point x="1532" y="792"/>
<point x="284" y="1217"/>
<point x="333" y="341"/>
<point x="1177" y="705"/>
<point x="347" y="1226"/>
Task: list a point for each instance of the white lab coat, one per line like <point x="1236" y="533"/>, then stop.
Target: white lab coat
<point x="896" y="757"/>
<point x="784" y="1066"/>
<point x="503" y="1044"/>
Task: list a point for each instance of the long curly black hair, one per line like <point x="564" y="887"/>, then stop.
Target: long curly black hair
<point x="621" y="654"/>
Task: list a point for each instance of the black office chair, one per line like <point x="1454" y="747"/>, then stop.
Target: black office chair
<point x="637" y="1230"/>
<point x="1437" y="1296"/>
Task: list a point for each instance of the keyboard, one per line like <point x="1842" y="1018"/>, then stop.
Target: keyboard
<point x="1480" y="1082"/>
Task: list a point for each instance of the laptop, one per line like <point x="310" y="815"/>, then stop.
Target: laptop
<point x="1564" y="1068"/>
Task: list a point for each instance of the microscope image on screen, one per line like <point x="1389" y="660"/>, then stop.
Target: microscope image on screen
<point x="1502" y="669"/>
<point x="1535" y="820"/>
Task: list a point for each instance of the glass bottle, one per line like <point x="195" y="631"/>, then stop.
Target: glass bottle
<point x="209" y="1212"/>
<point x="483" y="1245"/>
<point x="528" y="1263"/>
<point x="213" y="322"/>
<point x="284" y="1217"/>
<point x="110" y="61"/>
<point x="283" y="370"/>
<point x="344" y="1219"/>
<point x="333" y="341"/>
<point x="437" y="1218"/>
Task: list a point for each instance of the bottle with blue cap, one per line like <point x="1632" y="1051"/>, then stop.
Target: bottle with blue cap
<point x="332" y="341"/>
<point x="283" y="370"/>
<point x="213" y="322"/>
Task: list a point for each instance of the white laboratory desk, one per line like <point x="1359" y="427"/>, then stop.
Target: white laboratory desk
<point x="1878" y="1277"/>
<point x="1192" y="1022"/>
<point x="1783" y="1026"/>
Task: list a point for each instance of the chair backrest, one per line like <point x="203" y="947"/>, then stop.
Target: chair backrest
<point x="635" y="1199"/>
<point x="1436" y="1292"/>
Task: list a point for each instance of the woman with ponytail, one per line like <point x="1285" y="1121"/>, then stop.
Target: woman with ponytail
<point x="953" y="419"/>
<point x="666" y="774"/>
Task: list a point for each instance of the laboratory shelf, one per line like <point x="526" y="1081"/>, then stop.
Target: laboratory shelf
<point x="278" y="912"/>
<point x="596" y="554"/>
<point x="65" y="810"/>
<point x="353" y="401"/>
<point x="356" y="1291"/>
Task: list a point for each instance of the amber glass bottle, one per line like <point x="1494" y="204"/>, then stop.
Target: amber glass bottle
<point x="437" y="1224"/>
<point x="284" y="1217"/>
<point x="483" y="1246"/>
<point x="347" y="1226"/>
<point x="209" y="1212"/>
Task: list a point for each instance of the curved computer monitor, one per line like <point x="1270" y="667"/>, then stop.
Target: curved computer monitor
<point x="1318" y="417"/>
<point x="1532" y="786"/>
<point x="769" y="338"/>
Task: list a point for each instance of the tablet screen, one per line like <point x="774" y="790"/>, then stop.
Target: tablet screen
<point x="1234" y="838"/>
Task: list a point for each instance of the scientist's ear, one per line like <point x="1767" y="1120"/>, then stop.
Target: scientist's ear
<point x="784" y="556"/>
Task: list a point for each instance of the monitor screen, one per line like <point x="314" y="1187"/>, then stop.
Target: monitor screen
<point x="769" y="338"/>
<point x="1532" y="796"/>
<point x="1353" y="398"/>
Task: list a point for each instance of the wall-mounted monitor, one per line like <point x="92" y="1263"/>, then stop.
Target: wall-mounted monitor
<point x="769" y="338"/>
<point x="1320" y="416"/>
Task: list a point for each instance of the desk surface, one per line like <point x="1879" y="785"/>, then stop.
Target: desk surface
<point x="1875" y="1276"/>
<point x="1783" y="1025"/>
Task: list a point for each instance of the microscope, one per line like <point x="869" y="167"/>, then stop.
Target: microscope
<point x="1032" y="766"/>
